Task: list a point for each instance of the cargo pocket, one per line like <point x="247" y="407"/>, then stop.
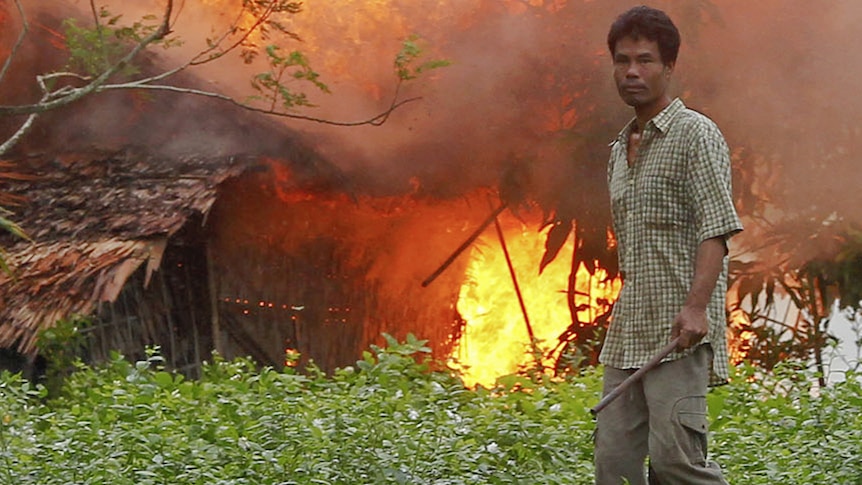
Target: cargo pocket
<point x="693" y="429"/>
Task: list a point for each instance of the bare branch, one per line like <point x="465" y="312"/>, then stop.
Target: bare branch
<point x="55" y="75"/>
<point x="69" y="94"/>
<point x="16" y="137"/>
<point x="197" y="60"/>
<point x="376" y="120"/>
<point x="380" y="119"/>
<point x="99" y="30"/>
<point x="25" y="27"/>
<point x="78" y="93"/>
<point x="25" y="127"/>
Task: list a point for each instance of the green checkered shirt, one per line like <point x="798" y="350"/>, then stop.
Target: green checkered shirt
<point x="675" y="195"/>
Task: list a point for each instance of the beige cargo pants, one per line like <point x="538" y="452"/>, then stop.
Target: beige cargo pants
<point x="664" y="417"/>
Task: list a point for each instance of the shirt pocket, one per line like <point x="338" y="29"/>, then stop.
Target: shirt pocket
<point x="663" y="202"/>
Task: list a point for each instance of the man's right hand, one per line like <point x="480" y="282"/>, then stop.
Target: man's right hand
<point x="691" y="326"/>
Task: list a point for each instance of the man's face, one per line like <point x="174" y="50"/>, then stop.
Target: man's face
<point x="642" y="79"/>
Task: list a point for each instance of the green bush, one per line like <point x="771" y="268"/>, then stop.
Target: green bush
<point x="388" y="419"/>
<point x="782" y="428"/>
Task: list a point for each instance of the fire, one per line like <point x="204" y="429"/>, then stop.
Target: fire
<point x="739" y="336"/>
<point x="495" y="339"/>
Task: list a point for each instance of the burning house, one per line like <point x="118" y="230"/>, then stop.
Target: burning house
<point x="195" y="254"/>
<point x="231" y="235"/>
<point x="189" y="224"/>
<point x="476" y="218"/>
<point x="247" y="255"/>
<point x="244" y="254"/>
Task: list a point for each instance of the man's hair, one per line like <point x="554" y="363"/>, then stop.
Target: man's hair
<point x="648" y="23"/>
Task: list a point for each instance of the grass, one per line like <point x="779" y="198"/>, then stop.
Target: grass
<point x="388" y="420"/>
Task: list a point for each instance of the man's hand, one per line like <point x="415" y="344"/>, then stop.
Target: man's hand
<point x="691" y="326"/>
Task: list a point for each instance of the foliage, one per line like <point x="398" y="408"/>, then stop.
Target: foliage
<point x="388" y="419"/>
<point x="6" y="222"/>
<point x="406" y="59"/>
<point x="271" y="85"/>
<point x="813" y="281"/>
<point x="841" y="273"/>
<point x="8" y="225"/>
<point x="92" y="50"/>
<point x="783" y="428"/>
<point x="104" y="55"/>
<point x="269" y="21"/>
<point x="61" y="345"/>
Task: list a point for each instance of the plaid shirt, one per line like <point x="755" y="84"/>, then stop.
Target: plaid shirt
<point x="675" y="195"/>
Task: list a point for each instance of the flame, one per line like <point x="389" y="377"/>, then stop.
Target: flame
<point x="739" y="336"/>
<point x="231" y="12"/>
<point x="495" y="340"/>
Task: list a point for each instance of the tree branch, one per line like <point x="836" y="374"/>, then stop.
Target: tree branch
<point x="16" y="137"/>
<point x="78" y="93"/>
<point x="65" y="95"/>
<point x="25" y="28"/>
<point x="196" y="60"/>
<point x="376" y="120"/>
<point x="99" y="31"/>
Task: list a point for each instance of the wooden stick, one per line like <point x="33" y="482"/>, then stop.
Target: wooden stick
<point x="638" y="374"/>
<point x="218" y="341"/>
<point x="478" y="232"/>
<point x="515" y="284"/>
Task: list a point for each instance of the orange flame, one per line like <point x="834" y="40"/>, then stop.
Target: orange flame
<point x="495" y="339"/>
<point x="739" y="336"/>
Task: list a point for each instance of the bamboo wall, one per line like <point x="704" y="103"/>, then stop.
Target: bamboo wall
<point x="172" y="312"/>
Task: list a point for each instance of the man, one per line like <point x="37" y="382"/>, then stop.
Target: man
<point x="669" y="180"/>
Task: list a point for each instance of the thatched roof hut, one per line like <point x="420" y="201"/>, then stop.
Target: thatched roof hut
<point x="194" y="225"/>
<point x="244" y="255"/>
<point x="96" y="220"/>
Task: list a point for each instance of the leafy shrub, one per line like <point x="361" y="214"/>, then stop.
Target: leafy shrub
<point x="388" y="419"/>
<point x="782" y="428"/>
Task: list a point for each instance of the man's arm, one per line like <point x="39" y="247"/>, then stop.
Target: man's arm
<point x="691" y="323"/>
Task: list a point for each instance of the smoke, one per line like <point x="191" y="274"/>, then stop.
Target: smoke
<point x="159" y="123"/>
<point x="530" y="86"/>
<point x="527" y="106"/>
<point x="779" y="79"/>
<point x="529" y="93"/>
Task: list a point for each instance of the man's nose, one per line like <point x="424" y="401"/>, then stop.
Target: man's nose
<point x="632" y="70"/>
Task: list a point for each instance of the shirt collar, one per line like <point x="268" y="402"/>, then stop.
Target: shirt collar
<point x="661" y="121"/>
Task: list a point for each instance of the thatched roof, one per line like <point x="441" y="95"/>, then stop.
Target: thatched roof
<point x="94" y="220"/>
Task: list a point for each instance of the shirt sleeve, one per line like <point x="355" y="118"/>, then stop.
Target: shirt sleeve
<point x="709" y="179"/>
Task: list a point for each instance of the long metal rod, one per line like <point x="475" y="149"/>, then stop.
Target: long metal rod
<point x="466" y="244"/>
<point x="636" y="376"/>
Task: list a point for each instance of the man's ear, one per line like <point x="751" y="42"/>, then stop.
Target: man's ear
<point x="668" y="68"/>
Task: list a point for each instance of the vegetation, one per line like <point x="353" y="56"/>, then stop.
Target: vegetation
<point x="103" y="56"/>
<point x="104" y="53"/>
<point x="388" y="419"/>
<point x="816" y="284"/>
<point x="7" y="172"/>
